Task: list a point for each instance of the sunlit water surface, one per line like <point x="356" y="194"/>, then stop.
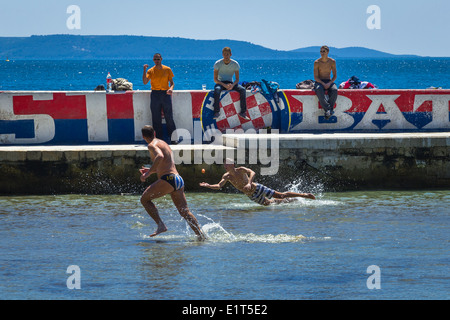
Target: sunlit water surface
<point x="302" y="250"/>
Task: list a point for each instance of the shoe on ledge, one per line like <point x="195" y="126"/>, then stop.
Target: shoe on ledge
<point x="243" y="116"/>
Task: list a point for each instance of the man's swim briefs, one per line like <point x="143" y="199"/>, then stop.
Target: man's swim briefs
<point x="175" y="180"/>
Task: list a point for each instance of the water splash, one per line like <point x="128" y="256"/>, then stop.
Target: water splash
<point x="220" y="237"/>
<point x="216" y="233"/>
<point x="299" y="185"/>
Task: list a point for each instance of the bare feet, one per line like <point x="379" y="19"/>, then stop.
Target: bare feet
<point x="310" y="196"/>
<point x="196" y="228"/>
<point x="201" y="237"/>
<point x="161" y="228"/>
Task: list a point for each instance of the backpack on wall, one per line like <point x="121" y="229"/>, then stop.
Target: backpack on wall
<point x="121" y="84"/>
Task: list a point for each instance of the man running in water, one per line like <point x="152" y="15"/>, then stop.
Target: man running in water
<point x="169" y="182"/>
<point x="242" y="179"/>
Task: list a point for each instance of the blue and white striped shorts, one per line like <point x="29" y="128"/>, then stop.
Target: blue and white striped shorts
<point x="176" y="181"/>
<point x="261" y="192"/>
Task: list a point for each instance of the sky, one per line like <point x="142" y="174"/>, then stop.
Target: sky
<point x="402" y="26"/>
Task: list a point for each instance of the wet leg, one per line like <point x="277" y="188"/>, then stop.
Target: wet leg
<point x="179" y="199"/>
<point x="156" y="190"/>
<point x="284" y="195"/>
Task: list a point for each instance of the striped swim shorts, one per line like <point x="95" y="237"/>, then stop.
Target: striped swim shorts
<point x="176" y="181"/>
<point x="261" y="192"/>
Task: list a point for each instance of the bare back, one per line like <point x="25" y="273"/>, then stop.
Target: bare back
<point x="167" y="163"/>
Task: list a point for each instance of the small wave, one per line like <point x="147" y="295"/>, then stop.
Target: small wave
<point x="321" y="202"/>
<point x="302" y="202"/>
<point x="263" y="238"/>
<point x="165" y="237"/>
<point x="291" y="202"/>
<point x="138" y="225"/>
<point x="215" y="233"/>
<point x="255" y="238"/>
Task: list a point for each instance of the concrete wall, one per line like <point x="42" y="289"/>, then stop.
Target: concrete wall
<point x="80" y="118"/>
<point x="88" y="169"/>
<point x="312" y="162"/>
<point x="90" y="142"/>
<point x="342" y="161"/>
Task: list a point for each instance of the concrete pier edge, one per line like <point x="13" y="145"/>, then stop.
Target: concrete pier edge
<point x="311" y="162"/>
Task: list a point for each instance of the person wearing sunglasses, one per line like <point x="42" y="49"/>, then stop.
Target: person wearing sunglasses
<point x="323" y="67"/>
<point x="161" y="78"/>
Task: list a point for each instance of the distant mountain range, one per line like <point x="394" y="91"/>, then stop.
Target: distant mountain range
<point x="140" y="47"/>
<point x="351" y="52"/>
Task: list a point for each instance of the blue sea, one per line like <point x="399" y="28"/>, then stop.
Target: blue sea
<point x="373" y="245"/>
<point x="393" y="73"/>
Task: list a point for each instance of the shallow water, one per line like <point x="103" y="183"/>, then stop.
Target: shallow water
<point x="301" y="250"/>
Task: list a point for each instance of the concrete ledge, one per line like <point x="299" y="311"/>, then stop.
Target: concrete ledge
<point x="343" y="161"/>
<point x="330" y="161"/>
<point x="343" y="140"/>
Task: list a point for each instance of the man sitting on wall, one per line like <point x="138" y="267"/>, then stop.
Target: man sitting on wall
<point x="323" y="67"/>
<point x="224" y="69"/>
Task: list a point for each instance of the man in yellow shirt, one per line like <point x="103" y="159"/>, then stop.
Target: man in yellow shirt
<point x="162" y="84"/>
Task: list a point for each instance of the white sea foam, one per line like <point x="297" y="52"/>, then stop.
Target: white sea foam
<point x="216" y="233"/>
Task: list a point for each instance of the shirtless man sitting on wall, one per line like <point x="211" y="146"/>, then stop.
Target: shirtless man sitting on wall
<point x="242" y="179"/>
<point x="323" y="67"/>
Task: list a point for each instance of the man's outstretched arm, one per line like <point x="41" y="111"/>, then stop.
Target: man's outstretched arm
<point x="216" y="186"/>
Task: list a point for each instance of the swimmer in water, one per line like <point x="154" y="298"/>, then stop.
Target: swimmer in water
<point x="169" y="182"/>
<point x="242" y="179"/>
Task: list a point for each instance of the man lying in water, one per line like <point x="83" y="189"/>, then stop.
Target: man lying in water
<point x="242" y="179"/>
